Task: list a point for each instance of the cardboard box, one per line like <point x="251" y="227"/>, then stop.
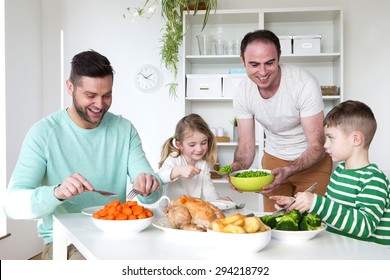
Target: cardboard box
<point x="204" y="85"/>
<point x="230" y="83"/>
<point x="307" y="44"/>
<point x="286" y="44"/>
<point x="223" y="138"/>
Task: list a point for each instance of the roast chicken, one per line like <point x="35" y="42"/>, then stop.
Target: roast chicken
<point x="190" y="213"/>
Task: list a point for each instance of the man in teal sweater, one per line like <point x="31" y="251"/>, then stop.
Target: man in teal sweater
<point x="74" y="151"/>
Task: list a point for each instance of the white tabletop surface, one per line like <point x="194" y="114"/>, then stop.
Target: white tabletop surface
<point x="155" y="244"/>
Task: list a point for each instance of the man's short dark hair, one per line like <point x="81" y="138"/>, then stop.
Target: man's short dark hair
<point x="89" y="64"/>
<point x="261" y="35"/>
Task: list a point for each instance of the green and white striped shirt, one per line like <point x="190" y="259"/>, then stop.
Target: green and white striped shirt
<point x="357" y="204"/>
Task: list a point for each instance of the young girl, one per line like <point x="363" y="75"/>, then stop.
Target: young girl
<point x="186" y="160"/>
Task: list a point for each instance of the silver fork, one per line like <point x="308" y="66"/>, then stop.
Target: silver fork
<point x="132" y="194"/>
<point x="240" y="206"/>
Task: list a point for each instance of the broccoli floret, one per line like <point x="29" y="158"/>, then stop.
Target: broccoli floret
<point x="286" y="222"/>
<point x="296" y="215"/>
<point x="269" y="220"/>
<point x="310" y="221"/>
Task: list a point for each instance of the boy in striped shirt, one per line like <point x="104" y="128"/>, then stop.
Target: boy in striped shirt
<point x="357" y="200"/>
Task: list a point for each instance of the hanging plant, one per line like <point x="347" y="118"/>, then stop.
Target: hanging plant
<point x="172" y="12"/>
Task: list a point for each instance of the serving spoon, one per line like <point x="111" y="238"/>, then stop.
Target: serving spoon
<point x="215" y="171"/>
<point x="224" y="170"/>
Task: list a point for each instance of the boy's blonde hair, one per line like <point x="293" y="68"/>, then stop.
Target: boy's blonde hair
<point x="352" y="116"/>
<point x="187" y="125"/>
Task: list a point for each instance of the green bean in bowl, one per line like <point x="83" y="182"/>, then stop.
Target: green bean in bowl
<point x="251" y="180"/>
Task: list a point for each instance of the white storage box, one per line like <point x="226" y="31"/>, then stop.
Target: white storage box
<point x="285" y="44"/>
<point x="307" y="44"/>
<point x="204" y="85"/>
<point x="230" y="84"/>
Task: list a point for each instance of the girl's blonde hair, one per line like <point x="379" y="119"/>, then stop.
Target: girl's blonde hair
<point x="189" y="124"/>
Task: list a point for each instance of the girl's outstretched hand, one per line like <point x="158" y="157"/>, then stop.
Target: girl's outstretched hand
<point x="186" y="171"/>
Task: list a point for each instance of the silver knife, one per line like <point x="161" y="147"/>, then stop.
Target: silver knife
<point x="309" y="189"/>
<point x="312" y="187"/>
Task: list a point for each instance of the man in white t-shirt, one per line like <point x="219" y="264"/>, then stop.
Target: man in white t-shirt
<point x="287" y="102"/>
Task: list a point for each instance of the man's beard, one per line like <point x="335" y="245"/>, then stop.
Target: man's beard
<point x="84" y="114"/>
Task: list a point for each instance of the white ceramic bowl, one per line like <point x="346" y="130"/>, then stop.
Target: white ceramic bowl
<point x="243" y="243"/>
<point x="300" y="235"/>
<point x="122" y="227"/>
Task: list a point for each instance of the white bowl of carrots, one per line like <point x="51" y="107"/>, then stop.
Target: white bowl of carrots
<point x="122" y="219"/>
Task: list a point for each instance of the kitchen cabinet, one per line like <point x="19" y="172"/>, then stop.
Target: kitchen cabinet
<point x="229" y="26"/>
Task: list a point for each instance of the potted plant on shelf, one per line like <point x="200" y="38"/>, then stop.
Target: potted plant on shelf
<point x="235" y="129"/>
<point x="172" y="12"/>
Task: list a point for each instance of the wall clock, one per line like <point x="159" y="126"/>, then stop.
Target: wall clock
<point x="147" y="78"/>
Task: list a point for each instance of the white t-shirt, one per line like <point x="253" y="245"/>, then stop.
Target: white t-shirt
<point x="200" y="185"/>
<point x="299" y="95"/>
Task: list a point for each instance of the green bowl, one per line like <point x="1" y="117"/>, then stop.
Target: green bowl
<point x="252" y="184"/>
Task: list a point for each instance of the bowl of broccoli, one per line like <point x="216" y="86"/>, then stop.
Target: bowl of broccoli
<point x="251" y="180"/>
<point x="294" y="226"/>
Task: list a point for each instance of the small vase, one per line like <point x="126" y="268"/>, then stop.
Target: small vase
<point x="235" y="134"/>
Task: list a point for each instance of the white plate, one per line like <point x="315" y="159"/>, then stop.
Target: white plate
<point x="223" y="204"/>
<point x="179" y="236"/>
<point x="90" y="210"/>
<point x="164" y="225"/>
<point x="284" y="235"/>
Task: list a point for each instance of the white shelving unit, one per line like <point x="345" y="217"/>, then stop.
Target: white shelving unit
<point x="326" y="66"/>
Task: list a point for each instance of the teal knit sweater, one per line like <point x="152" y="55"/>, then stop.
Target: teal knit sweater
<point x="56" y="148"/>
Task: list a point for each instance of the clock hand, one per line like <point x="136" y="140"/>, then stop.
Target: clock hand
<point x="148" y="76"/>
<point x="143" y="75"/>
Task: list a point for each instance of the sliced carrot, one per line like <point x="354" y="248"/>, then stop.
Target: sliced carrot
<point x="131" y="203"/>
<point x="121" y="217"/>
<point x="111" y="210"/>
<point x="113" y="203"/>
<point x="129" y="210"/>
<point x="142" y="215"/>
<point x="148" y="212"/>
<point x="132" y="217"/>
<point x="137" y="209"/>
<point x="96" y="215"/>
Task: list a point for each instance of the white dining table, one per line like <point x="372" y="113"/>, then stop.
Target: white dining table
<point x="156" y="244"/>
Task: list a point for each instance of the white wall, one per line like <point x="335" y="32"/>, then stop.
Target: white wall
<point x="98" y="24"/>
<point x="127" y="44"/>
<point x="23" y="103"/>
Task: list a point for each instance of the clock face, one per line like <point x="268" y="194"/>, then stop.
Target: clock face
<point x="147" y="77"/>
